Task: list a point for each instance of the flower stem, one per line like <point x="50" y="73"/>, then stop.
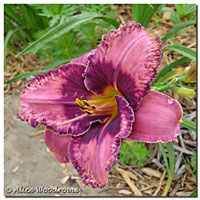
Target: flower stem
<point x="170" y="84"/>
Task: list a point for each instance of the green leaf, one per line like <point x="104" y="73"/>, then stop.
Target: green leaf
<point x="177" y="28"/>
<point x="185" y="9"/>
<point x="65" y="27"/>
<point x="194" y="161"/>
<point x="10" y="12"/>
<point x="190" y="53"/>
<point x="142" y="13"/>
<point x="189" y="8"/>
<point x="186" y="86"/>
<point x="12" y="27"/>
<point x="164" y="156"/>
<point x="188" y="166"/>
<point x="134" y="153"/>
<point x="186" y="123"/>
<point x="172" y="158"/>
<point x="22" y="76"/>
<point x="194" y="193"/>
<point x="27" y="19"/>
<point x="7" y="40"/>
<point x="171" y="74"/>
<point x="175" y="17"/>
<point x="36" y="19"/>
<point x="170" y="165"/>
<point x="169" y="67"/>
<point x="166" y="9"/>
<point x="52" y="65"/>
<point x="57" y="63"/>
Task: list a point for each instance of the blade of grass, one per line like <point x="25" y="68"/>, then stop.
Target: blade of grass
<point x="7" y="40"/>
<point x="164" y="156"/>
<point x="10" y="12"/>
<point x="30" y="17"/>
<point x="25" y="15"/>
<point x="169" y="165"/>
<point x="186" y="123"/>
<point x="36" y="19"/>
<point x="142" y="13"/>
<point x="194" y="193"/>
<point x="171" y="74"/>
<point x="65" y="27"/>
<point x="12" y="27"/>
<point x="12" y="48"/>
<point x="170" y="66"/>
<point x="52" y="65"/>
<point x="186" y="86"/>
<point x="57" y="63"/>
<point x="185" y="9"/>
<point x="172" y="161"/>
<point x="189" y="168"/>
<point x="190" y="53"/>
<point x="25" y="75"/>
<point x="166" y="9"/>
<point x="177" y="28"/>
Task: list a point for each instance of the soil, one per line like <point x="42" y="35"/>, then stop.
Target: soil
<point x="28" y="165"/>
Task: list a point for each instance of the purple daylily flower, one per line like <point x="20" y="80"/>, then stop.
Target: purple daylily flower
<point x="91" y="103"/>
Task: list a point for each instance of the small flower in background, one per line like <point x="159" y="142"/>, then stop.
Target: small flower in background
<point x="91" y="103"/>
<point x="185" y="92"/>
<point x="190" y="74"/>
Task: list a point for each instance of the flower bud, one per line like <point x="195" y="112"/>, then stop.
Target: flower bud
<point x="185" y="92"/>
<point x="190" y="74"/>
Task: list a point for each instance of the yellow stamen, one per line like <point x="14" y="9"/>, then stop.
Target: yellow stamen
<point x="97" y="105"/>
<point x="85" y="102"/>
<point x="84" y="105"/>
<point x="88" y="111"/>
<point x="93" y="106"/>
<point x="80" y="103"/>
<point x="83" y="98"/>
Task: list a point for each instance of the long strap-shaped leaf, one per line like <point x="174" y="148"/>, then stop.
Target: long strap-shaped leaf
<point x="169" y="67"/>
<point x="188" y="124"/>
<point x="22" y="76"/>
<point x="177" y="28"/>
<point x="65" y="27"/>
<point x="7" y="39"/>
<point x="190" y="53"/>
<point x="142" y="13"/>
<point x="12" y="27"/>
<point x="52" y="65"/>
<point x="169" y="164"/>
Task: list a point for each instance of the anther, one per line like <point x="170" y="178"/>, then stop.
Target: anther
<point x="83" y="109"/>
<point x="84" y="105"/>
<point x="88" y="112"/>
<point x="93" y="106"/>
<point x="86" y="102"/>
<point x="80" y="103"/>
<point x="83" y="98"/>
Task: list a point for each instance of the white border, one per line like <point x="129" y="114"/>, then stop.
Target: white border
<point x="2" y="2"/>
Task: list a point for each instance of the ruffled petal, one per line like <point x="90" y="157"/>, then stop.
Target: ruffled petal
<point x="157" y="119"/>
<point x="127" y="60"/>
<point x="83" y="59"/>
<point x="58" y="145"/>
<point x="93" y="153"/>
<point x="49" y="99"/>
